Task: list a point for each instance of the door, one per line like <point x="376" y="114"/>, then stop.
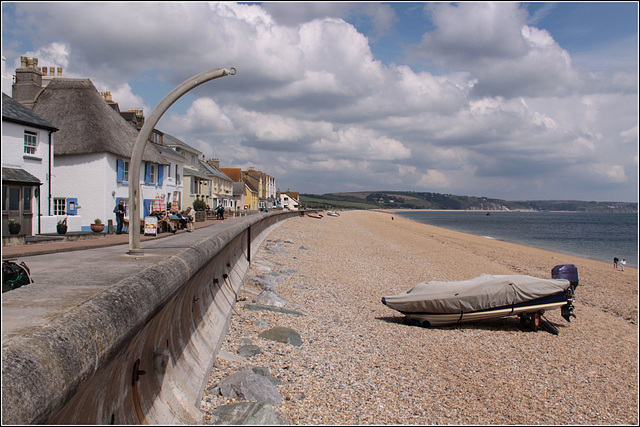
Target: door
<point x="16" y="206"/>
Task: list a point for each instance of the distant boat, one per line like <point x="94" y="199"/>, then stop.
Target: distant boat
<point x="332" y="213"/>
<point x="316" y="216"/>
<point x="439" y="303"/>
<point x="488" y="213"/>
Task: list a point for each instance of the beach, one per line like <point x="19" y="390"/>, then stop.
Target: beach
<point x="360" y="363"/>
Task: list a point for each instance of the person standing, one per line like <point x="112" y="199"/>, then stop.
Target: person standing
<point x="623" y="263"/>
<point x="119" y="211"/>
<point x="615" y="263"/>
<point x="190" y="219"/>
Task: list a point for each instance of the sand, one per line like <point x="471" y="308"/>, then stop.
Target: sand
<point x="360" y="363"/>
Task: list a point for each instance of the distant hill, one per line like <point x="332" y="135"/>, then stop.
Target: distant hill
<point x="420" y="200"/>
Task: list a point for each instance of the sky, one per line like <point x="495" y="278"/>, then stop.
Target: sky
<point x="517" y="101"/>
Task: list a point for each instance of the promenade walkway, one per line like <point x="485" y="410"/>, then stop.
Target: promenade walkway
<point x="65" y="274"/>
<point x="11" y="252"/>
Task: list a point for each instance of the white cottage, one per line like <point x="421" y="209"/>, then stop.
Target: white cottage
<point x="92" y="153"/>
<point x="27" y="164"/>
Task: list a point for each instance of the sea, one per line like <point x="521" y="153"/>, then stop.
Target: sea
<point x="598" y="236"/>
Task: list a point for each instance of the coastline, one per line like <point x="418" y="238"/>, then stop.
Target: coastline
<point x="597" y="245"/>
<point x="360" y="363"/>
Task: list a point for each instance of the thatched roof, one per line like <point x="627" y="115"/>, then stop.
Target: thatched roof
<point x="86" y="123"/>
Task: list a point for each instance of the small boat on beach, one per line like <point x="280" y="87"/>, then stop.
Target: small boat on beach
<point x="439" y="303"/>
<point x="316" y="216"/>
<point x="333" y="213"/>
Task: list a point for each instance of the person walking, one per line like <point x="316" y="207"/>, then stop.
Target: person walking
<point x="615" y="263"/>
<point x="119" y="211"/>
<point x="623" y="263"/>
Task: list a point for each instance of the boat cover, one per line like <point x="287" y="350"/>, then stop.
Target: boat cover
<point x="480" y="293"/>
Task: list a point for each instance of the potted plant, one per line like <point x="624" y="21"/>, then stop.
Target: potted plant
<point x="61" y="227"/>
<point x="97" y="226"/>
<point x="200" y="206"/>
<point x="14" y="226"/>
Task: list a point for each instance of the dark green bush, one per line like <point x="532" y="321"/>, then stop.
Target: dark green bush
<point x="199" y="205"/>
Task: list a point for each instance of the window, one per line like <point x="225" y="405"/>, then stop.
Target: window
<point x="156" y="138"/>
<point x="30" y="142"/>
<point x="125" y="171"/>
<point x="14" y="198"/>
<point x="152" y="174"/>
<point x="59" y="206"/>
<point x="26" y="206"/>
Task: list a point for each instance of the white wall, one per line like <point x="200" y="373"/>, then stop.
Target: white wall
<point x="37" y="165"/>
<point x="85" y="177"/>
<point x="288" y="202"/>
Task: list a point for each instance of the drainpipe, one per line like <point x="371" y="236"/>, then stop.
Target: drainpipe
<point x="50" y="152"/>
<point x="141" y="141"/>
<point x="39" y="209"/>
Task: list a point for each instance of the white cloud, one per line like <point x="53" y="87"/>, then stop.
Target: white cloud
<point x="506" y="114"/>
<point x="608" y="174"/>
<point x="493" y="42"/>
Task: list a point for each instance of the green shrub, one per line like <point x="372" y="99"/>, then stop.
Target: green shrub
<point x="199" y="205"/>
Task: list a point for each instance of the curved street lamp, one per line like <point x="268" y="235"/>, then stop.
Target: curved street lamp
<point x="141" y="142"/>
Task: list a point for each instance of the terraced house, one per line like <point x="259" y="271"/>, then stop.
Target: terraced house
<point x="221" y="188"/>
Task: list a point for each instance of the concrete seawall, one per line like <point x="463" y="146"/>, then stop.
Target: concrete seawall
<point x="139" y="346"/>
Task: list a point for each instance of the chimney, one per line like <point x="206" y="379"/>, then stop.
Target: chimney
<point x="28" y="81"/>
<point x="214" y="162"/>
<point x="59" y="71"/>
<point x="204" y="159"/>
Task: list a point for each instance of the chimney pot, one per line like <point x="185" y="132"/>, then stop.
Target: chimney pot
<point x="35" y="63"/>
<point x="52" y="71"/>
<point x="59" y="71"/>
<point x="23" y="62"/>
<point x="44" y="71"/>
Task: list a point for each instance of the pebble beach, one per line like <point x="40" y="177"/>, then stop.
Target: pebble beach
<point x="359" y="362"/>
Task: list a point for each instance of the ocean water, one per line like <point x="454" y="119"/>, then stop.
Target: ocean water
<point x="598" y="236"/>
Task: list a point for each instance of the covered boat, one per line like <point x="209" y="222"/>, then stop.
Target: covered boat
<point x="488" y="296"/>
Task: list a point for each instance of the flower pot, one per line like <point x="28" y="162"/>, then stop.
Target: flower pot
<point x="61" y="228"/>
<point x="14" y="228"/>
<point x="97" y="228"/>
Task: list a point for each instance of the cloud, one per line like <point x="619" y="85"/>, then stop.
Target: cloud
<point x="492" y="41"/>
<point x="381" y="16"/>
<point x="502" y="110"/>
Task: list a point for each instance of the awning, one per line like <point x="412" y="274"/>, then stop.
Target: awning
<point x="19" y="176"/>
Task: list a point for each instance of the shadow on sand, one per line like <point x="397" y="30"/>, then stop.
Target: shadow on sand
<point x="501" y="324"/>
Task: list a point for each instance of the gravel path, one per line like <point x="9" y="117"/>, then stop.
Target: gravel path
<point x="361" y="364"/>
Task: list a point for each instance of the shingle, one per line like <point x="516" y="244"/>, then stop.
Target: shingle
<point x="15" y="112"/>
<point x="18" y="175"/>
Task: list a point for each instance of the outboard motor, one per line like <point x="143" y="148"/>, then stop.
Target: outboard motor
<point x="566" y="271"/>
<point x="570" y="273"/>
